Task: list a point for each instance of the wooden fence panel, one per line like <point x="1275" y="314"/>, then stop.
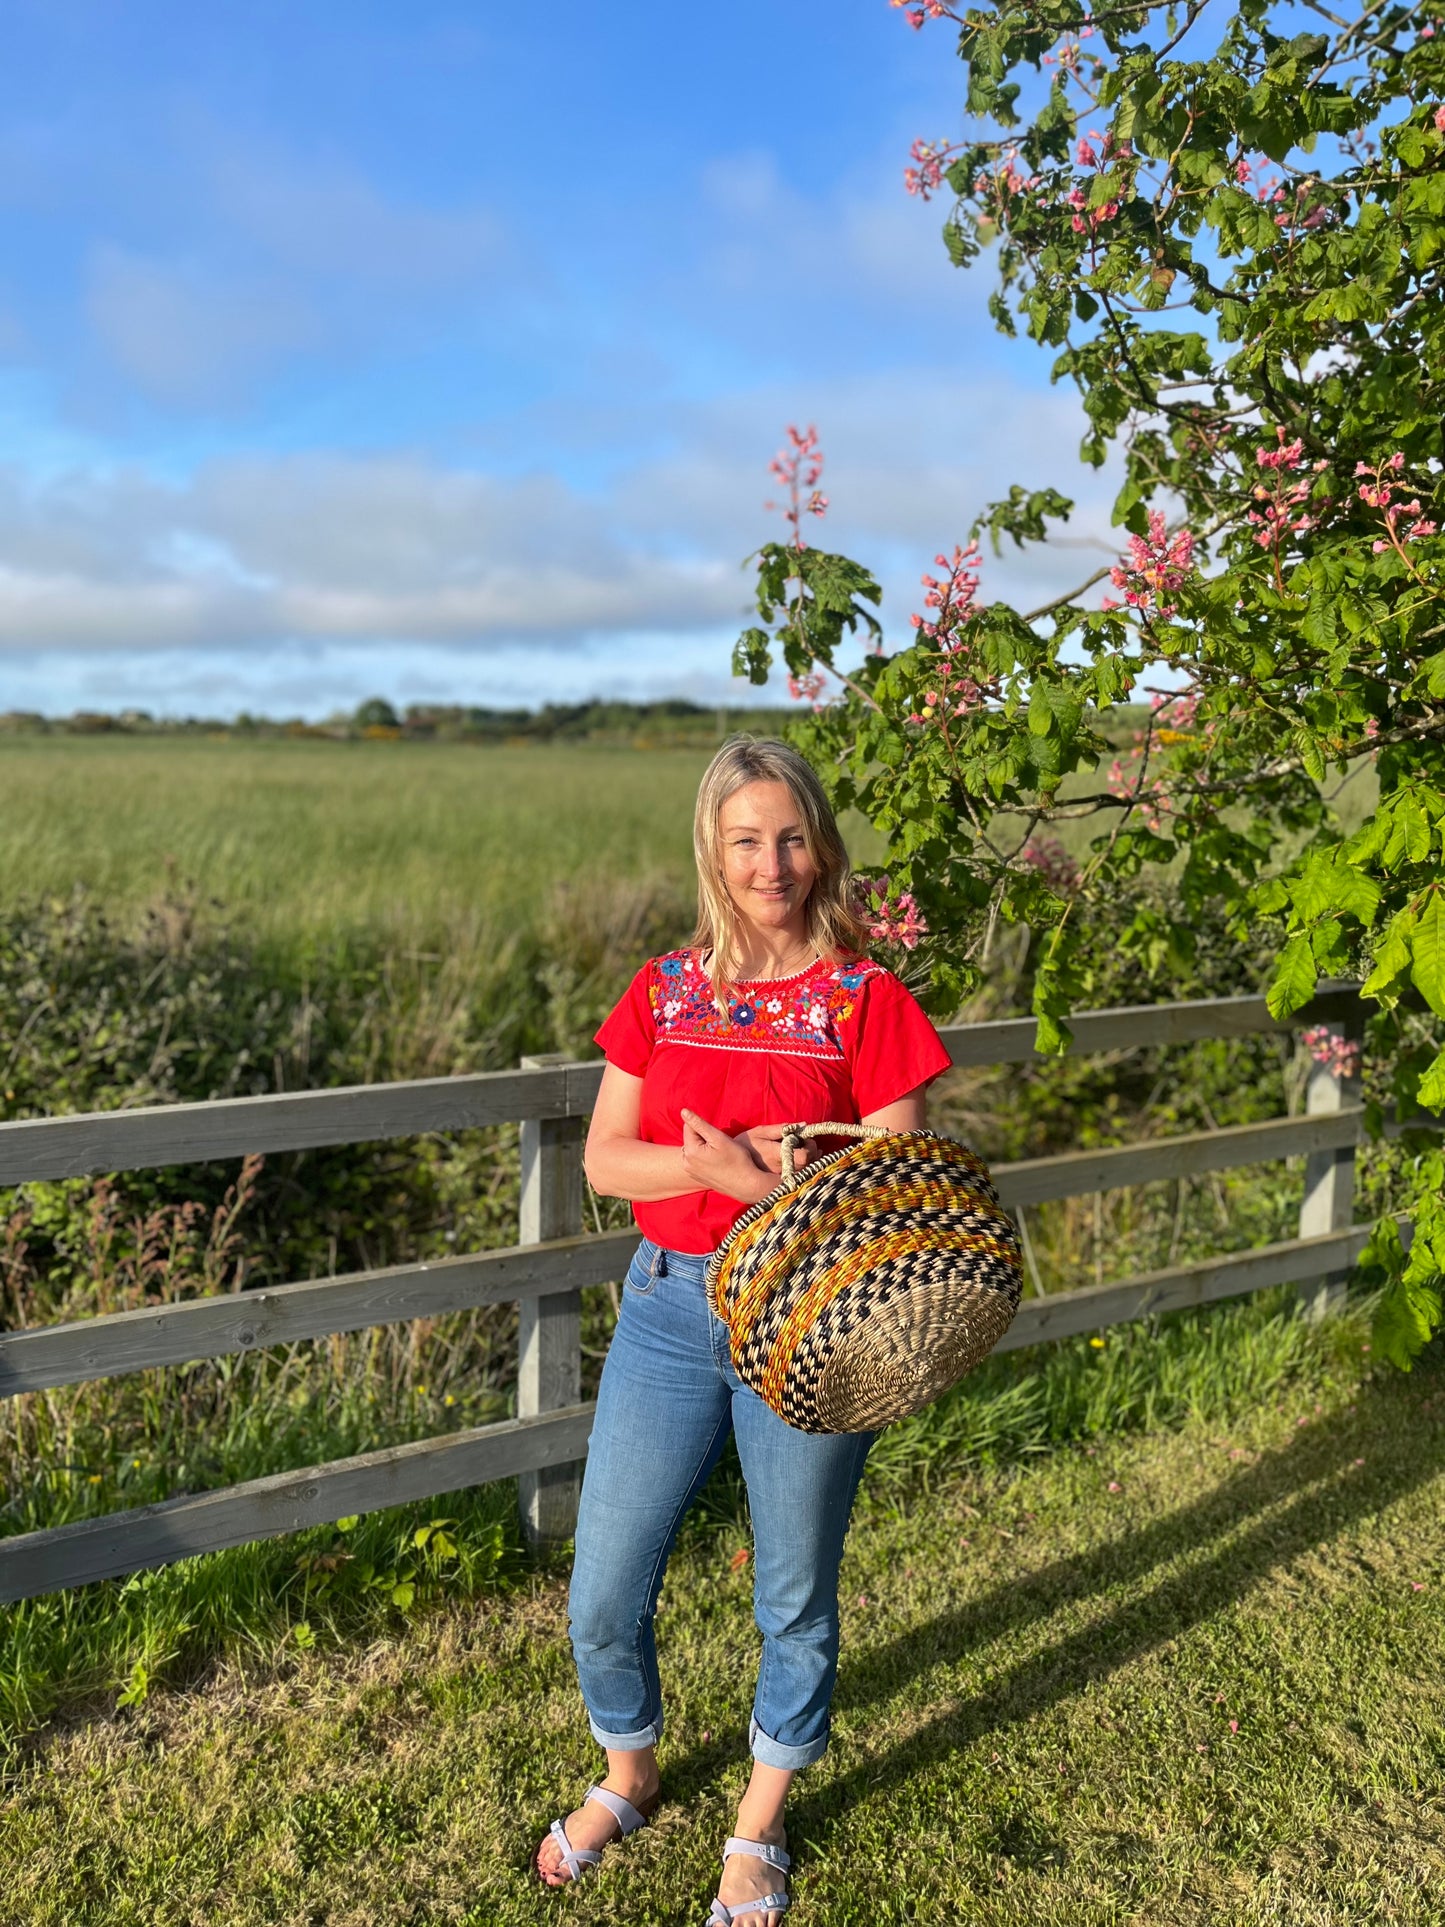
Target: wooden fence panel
<point x="1066" y="1314"/>
<point x="1074" y="1173"/>
<point x="549" y="1329"/>
<point x="154" y="1535"/>
<point x="67" y="1147"/>
<point x="243" y="1321"/>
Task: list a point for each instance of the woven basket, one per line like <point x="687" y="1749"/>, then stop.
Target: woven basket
<point x="869" y="1281"/>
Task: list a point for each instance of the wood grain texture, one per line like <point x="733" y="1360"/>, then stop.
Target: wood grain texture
<point x="1131" y="1027"/>
<point x="66" y="1147"/>
<point x="133" y="1341"/>
<point x="1068" y="1313"/>
<point x="1074" y="1173"/>
<point x="549" y="1329"/>
<point x="123" y="1542"/>
<point x="154" y="1535"/>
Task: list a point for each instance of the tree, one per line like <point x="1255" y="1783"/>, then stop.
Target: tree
<point x="376" y="713"/>
<point x="1230" y="234"/>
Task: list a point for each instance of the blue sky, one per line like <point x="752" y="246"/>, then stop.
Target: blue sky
<point x="439" y="352"/>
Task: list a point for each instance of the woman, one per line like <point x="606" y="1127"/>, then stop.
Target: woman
<point x="772" y="1016"/>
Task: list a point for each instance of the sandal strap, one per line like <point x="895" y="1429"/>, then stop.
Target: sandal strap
<point x="627" y="1816"/>
<point x="724" y="1916"/>
<point x="760" y="1850"/>
<point x="576" y="1858"/>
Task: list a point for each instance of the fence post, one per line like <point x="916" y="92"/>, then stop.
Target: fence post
<point x="1329" y="1199"/>
<point x="549" y="1330"/>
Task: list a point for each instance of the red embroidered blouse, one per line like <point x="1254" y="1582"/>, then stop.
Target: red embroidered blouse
<point x="837" y="1041"/>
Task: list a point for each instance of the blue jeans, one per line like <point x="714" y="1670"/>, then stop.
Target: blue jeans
<point x="668" y="1400"/>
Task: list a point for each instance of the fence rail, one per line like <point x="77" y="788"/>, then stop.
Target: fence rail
<point x="552" y="1263"/>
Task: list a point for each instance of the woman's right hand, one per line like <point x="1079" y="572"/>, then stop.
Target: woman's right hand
<point x="765" y="1143"/>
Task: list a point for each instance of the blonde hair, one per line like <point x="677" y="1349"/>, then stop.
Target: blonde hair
<point x="833" y="925"/>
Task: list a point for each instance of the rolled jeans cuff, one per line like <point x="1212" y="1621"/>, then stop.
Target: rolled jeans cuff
<point x="772" y="1753"/>
<point x="626" y="1742"/>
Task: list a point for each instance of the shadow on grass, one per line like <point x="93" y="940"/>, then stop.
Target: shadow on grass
<point x="1310" y="1490"/>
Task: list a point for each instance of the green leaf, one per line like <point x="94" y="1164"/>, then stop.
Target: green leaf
<point x="1053" y="1036"/>
<point x="1392" y="958"/>
<point x="1294" y="978"/>
<point x="1431" y="1091"/>
<point x="1427" y="959"/>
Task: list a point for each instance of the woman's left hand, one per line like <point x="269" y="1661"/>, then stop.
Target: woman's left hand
<point x="718" y="1162"/>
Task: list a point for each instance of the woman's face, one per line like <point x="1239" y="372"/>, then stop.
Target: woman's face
<point x="765" y="859"/>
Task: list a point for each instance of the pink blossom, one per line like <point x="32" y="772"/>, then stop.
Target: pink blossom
<point x="1284" y="455"/>
<point x="887" y="918"/>
<point x="1439" y="115"/>
<point x="1154" y="565"/>
<point x="806" y="689"/>
<point x="1339" y="1055"/>
<point x="927" y="177"/>
<point x="799" y="467"/>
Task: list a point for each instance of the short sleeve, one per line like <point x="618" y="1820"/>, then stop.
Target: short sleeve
<point x="629" y="1033"/>
<point x="894" y="1046"/>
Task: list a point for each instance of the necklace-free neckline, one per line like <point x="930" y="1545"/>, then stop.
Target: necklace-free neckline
<point x="792" y="977"/>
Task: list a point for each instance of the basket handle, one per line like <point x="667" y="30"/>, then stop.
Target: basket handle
<point x="794" y="1134"/>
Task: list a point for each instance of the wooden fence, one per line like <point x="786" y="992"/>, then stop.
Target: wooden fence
<point x="553" y="1261"/>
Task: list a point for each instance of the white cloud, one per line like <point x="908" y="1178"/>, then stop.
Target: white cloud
<point x="399" y="550"/>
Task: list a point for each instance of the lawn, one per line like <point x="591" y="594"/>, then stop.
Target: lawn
<point x="1179" y="1678"/>
<point x="315" y="837"/>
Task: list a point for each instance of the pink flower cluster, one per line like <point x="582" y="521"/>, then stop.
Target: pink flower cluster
<point x="1150" y="798"/>
<point x="1086" y="219"/>
<point x="1298" y="216"/>
<point x="1339" y="1055"/>
<point x="808" y="688"/>
<point x="1154" y="566"/>
<point x="1179" y="710"/>
<point x="799" y="467"/>
<point x="1439" y="116"/>
<point x="1377" y="491"/>
<point x="1280" y="500"/>
<point x="888" y="918"/>
<point x="960" y="684"/>
<point x="1005" y="184"/>
<point x="927" y="177"/>
<point x="1054" y="864"/>
<point x="1069" y="53"/>
<point x="918" y="12"/>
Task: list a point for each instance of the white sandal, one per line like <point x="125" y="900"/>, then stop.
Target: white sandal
<point x="723" y="1915"/>
<point x="578" y="1859"/>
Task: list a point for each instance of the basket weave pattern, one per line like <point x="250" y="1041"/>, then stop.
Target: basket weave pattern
<point x="859" y="1290"/>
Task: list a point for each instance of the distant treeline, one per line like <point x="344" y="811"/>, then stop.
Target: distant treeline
<point x="377" y="721"/>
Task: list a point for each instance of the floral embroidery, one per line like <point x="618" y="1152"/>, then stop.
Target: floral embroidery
<point x="804" y="1016"/>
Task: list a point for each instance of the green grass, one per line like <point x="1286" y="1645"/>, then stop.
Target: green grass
<point x="120" y="1443"/>
<point x="313" y="837"/>
<point x="1180" y="1679"/>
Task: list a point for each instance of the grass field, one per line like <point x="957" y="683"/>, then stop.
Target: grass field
<point x="316" y="837"/>
<point x="406" y="841"/>
<point x="1180" y="1680"/>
